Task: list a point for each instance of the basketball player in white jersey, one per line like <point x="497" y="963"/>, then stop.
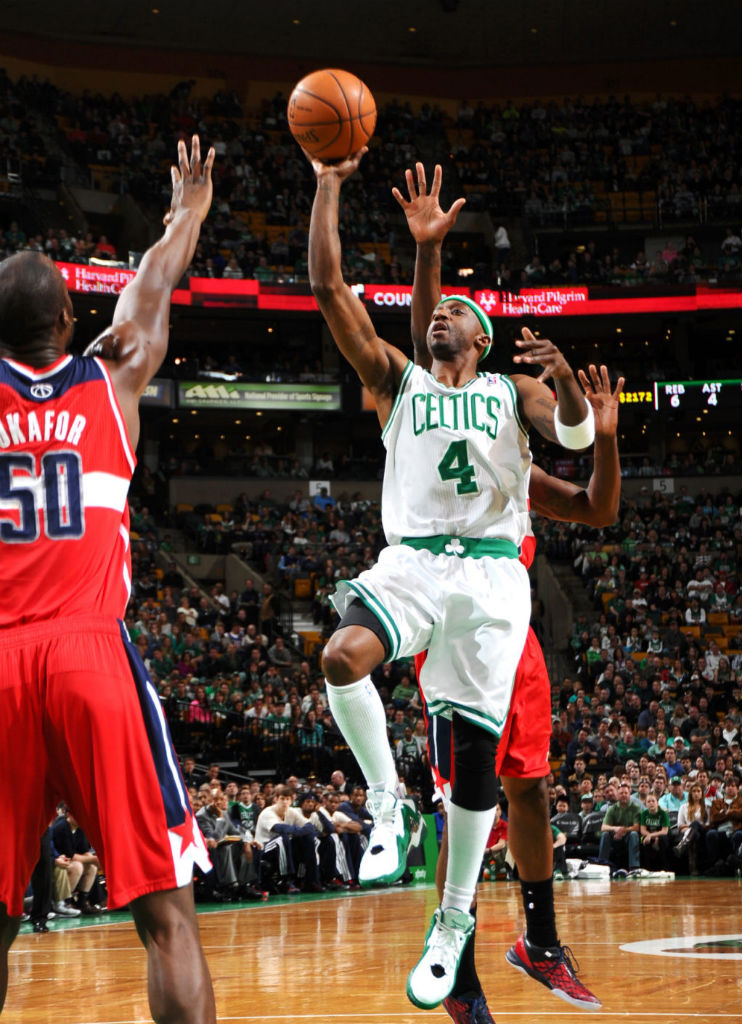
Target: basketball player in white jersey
<point x="522" y="755"/>
<point x="455" y="511"/>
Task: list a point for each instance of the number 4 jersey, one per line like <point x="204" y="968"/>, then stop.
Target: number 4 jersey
<point x="458" y="461"/>
<point x="65" y="469"/>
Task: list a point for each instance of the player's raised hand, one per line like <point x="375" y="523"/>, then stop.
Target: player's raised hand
<point x="192" y="188"/>
<point x="425" y="218"/>
<point x="604" y="401"/>
<point x="542" y="352"/>
<point x="341" y="170"/>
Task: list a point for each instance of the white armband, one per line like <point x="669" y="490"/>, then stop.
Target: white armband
<point x="581" y="435"/>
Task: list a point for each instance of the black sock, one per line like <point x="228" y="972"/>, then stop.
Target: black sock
<point x="467" y="982"/>
<point x="538" y="903"/>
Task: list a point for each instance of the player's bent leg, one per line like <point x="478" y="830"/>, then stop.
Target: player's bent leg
<point x="8" y="930"/>
<point x="538" y="952"/>
<point x="356" y="647"/>
<point x="470" y="817"/>
<point x="179" y="984"/>
<point x="350" y="654"/>
<point x="467" y="1003"/>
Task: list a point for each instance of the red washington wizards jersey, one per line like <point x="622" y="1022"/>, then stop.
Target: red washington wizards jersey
<point x="65" y="468"/>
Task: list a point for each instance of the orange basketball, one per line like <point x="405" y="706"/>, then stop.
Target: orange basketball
<point x="331" y="114"/>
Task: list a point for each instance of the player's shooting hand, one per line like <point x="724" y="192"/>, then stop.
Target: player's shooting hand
<point x="427" y="222"/>
<point x="339" y="171"/>
<point x="192" y="188"/>
<point x="604" y="401"/>
<point x="542" y="352"/>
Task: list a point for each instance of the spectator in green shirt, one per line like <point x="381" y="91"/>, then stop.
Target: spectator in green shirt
<point x="620" y="828"/>
<point x="403" y="692"/>
<point x="559" y="844"/>
<point x="654" y="826"/>
<point x="629" y="746"/>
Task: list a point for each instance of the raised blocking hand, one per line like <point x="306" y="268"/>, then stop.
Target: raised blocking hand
<point x="603" y="401"/>
<point x="192" y="187"/>
<point x="428" y="223"/>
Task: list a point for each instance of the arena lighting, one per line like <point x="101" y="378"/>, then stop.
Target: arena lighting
<point x="218" y="375"/>
<point x="96" y="261"/>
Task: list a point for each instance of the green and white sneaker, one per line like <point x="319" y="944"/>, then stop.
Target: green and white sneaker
<point x="398" y="826"/>
<point x="432" y="979"/>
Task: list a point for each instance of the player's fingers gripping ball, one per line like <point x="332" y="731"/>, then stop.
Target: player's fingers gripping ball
<point x="331" y="114"/>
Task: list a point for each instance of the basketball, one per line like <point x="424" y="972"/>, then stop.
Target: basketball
<point x="332" y="114"/>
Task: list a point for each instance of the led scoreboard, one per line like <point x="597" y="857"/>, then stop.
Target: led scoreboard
<point x="693" y="396"/>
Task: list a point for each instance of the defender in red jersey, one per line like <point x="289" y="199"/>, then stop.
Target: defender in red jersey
<point x="78" y="712"/>
<point x="522" y="754"/>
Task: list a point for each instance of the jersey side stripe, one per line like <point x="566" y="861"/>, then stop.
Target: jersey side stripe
<point x="128" y="452"/>
<point x="369" y="599"/>
<point x="506" y="380"/>
<point x="124" y="535"/>
<point x="104" y="490"/>
<point x="398" y="399"/>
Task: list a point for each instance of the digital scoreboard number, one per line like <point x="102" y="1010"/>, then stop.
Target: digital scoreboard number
<point x="695" y="395"/>
<point x="636" y="397"/>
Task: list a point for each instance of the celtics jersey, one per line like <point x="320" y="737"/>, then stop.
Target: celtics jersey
<point x="458" y="460"/>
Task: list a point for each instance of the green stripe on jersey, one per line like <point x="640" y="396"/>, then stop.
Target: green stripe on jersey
<point x="439" y="707"/>
<point x="398" y="400"/>
<point x="472" y="547"/>
<point x="513" y="391"/>
<point x="372" y="602"/>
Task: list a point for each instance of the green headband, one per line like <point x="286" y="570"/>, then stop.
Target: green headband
<point x="480" y="315"/>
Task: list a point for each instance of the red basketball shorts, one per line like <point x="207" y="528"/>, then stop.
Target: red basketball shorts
<point x="523" y="749"/>
<point x="80" y="721"/>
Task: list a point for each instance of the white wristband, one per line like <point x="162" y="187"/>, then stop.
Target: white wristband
<point x="581" y="435"/>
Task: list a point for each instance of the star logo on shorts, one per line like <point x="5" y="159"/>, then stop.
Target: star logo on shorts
<point x="184" y="832"/>
<point x="454" y="547"/>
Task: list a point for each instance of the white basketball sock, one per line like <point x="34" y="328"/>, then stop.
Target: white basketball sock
<point x="468" y="832"/>
<point x="360" y="715"/>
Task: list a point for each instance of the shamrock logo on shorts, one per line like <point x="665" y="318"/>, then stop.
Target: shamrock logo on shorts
<point x="454" y="547"/>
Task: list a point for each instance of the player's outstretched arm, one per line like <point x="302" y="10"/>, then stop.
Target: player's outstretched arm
<point x="569" y="420"/>
<point x="378" y="364"/>
<point x="428" y="225"/>
<point x="136" y="343"/>
<point x="597" y="504"/>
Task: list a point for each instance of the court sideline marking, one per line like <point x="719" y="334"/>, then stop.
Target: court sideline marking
<point x="426" y="1016"/>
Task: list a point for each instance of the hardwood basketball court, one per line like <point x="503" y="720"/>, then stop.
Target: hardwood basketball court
<point x="344" y="959"/>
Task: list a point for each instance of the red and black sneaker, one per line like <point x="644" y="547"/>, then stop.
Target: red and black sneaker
<point x="553" y="967"/>
<point x="468" y="1011"/>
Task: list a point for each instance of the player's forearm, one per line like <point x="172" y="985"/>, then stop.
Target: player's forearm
<point x="146" y="300"/>
<point x="325" y="253"/>
<point x="572" y="407"/>
<point x="426" y="294"/>
<point x="603" y="492"/>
